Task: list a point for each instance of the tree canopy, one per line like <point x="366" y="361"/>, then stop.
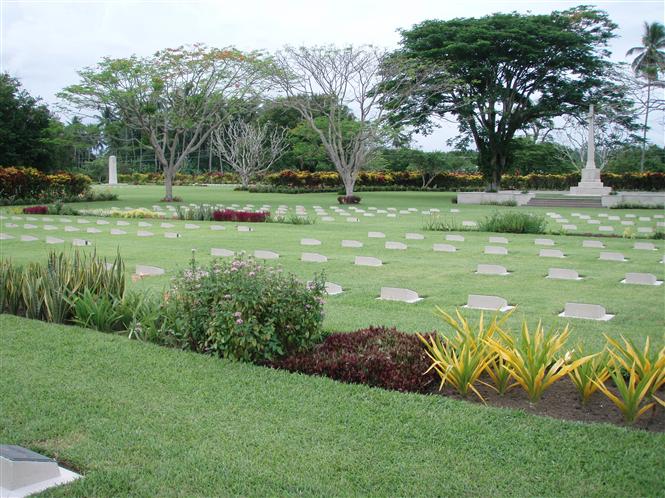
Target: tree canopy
<point x="506" y="71"/>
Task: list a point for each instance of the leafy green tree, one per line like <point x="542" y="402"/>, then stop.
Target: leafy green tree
<point x="528" y="156"/>
<point x="176" y="98"/>
<point x="627" y="160"/>
<point x="505" y="72"/>
<point x="649" y="62"/>
<point x="24" y="127"/>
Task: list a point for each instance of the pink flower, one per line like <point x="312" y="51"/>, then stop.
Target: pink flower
<point x="239" y="321"/>
<point x="237" y="314"/>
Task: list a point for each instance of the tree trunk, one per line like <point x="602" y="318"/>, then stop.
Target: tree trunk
<point x="168" y="184"/>
<point x="646" y="121"/>
<point x="349" y="182"/>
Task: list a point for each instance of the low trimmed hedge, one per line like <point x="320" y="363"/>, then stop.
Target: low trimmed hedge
<point x="180" y="178"/>
<point x="462" y="181"/>
<point x="18" y="184"/>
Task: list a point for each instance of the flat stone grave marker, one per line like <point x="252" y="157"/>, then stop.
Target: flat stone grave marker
<point x="116" y="231"/>
<point x="327" y="218"/>
<point x="569" y="227"/>
<point x="93" y="230"/>
<point x="414" y="236"/>
<point x="399" y="294"/>
<point x="28" y="238"/>
<point x="65" y="220"/>
<point x="644" y="218"/>
<point x="17" y="218"/>
<point x="644" y="230"/>
<point x="584" y="217"/>
<point x="171" y="235"/>
<point x="593" y="244"/>
<point x="11" y="225"/>
<point x="376" y="235"/>
<point x="367" y="261"/>
<point x="144" y="224"/>
<point x="123" y="223"/>
<point x="310" y="242"/>
<point x="81" y="242"/>
<point x="104" y="222"/>
<point x="482" y="269"/>
<point x="50" y="227"/>
<point x="54" y="240"/>
<point x="404" y="211"/>
<point x="259" y="254"/>
<point x="217" y="228"/>
<point x="612" y="256"/>
<point x="543" y="242"/>
<point x="641" y="279"/>
<point x="551" y="253"/>
<point x="444" y="248"/>
<point x="660" y="224"/>
<point x="73" y="229"/>
<point x="352" y="219"/>
<point x="454" y="210"/>
<point x="586" y="312"/>
<point x="30" y="218"/>
<point x="493" y="303"/>
<point x="399" y="246"/>
<point x="149" y="271"/>
<point x="219" y="252"/>
<point x="496" y="250"/>
<point x="593" y="222"/>
<point x="391" y="215"/>
<point x="614" y="218"/>
<point x="562" y="220"/>
<point x="628" y="223"/>
<point x="454" y="238"/>
<point x="498" y="240"/>
<point x="144" y="233"/>
<point x="352" y="243"/>
<point x="468" y="223"/>
<point x="562" y="274"/>
<point x="29" y="226"/>
<point x="191" y="226"/>
<point x="645" y="246"/>
<point x="244" y="228"/>
<point x="605" y="228"/>
<point x="333" y="289"/>
<point x="659" y="216"/>
<point x="313" y="257"/>
<point x="603" y="215"/>
<point x="82" y="221"/>
<point x="5" y="236"/>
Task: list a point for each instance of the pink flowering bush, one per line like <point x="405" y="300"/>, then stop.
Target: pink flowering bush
<point x="243" y="310"/>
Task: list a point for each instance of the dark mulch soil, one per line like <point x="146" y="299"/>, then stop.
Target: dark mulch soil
<point x="561" y="401"/>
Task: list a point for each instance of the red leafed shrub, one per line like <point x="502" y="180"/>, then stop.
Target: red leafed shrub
<point x="242" y="216"/>
<point x="35" y="210"/>
<point x="348" y="199"/>
<point x="377" y="356"/>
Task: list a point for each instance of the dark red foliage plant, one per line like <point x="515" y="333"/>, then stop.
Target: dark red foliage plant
<point x="242" y="216"/>
<point x="376" y="356"/>
<point x="349" y="199"/>
<point x="35" y="210"/>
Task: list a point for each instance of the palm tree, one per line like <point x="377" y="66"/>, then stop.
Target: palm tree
<point x="648" y="63"/>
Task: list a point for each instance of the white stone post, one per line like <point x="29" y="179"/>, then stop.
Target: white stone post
<point x="590" y="185"/>
<point x="113" y="171"/>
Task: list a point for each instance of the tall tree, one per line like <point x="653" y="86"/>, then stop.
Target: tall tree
<point x="176" y="98"/>
<point x="350" y="78"/>
<point x="24" y="125"/>
<point x="249" y="148"/>
<point x="507" y="71"/>
<point x="650" y="60"/>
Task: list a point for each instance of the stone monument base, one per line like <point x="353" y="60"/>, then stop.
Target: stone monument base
<point x="590" y="185"/>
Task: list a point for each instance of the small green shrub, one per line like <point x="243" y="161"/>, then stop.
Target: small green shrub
<point x="292" y="219"/>
<point x="637" y="205"/>
<point x="513" y="222"/>
<point x="95" y="312"/>
<point x="243" y="310"/>
<point x="442" y="223"/>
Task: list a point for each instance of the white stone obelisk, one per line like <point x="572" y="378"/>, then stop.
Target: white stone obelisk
<point x="590" y="185"/>
<point x="113" y="171"/>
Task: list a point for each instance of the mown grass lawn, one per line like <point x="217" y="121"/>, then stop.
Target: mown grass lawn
<point x="443" y="279"/>
<point x="141" y="420"/>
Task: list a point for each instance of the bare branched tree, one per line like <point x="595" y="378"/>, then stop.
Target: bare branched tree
<point x="250" y="149"/>
<point x="359" y="79"/>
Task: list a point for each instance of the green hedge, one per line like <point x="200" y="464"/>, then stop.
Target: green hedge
<point x="180" y="178"/>
<point x="18" y="184"/>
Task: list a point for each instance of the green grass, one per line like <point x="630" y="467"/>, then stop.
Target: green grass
<point x="140" y="420"/>
<point x="443" y="279"/>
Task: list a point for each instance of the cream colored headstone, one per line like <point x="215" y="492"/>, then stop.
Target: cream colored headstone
<point x="376" y="235"/>
<point x="543" y="242"/>
<point x="593" y="244"/>
<point x="641" y="279"/>
<point x="28" y="238"/>
<point x="483" y="269"/>
<point x="562" y="274"/>
<point x="551" y="253"/>
<point x="498" y="240"/>
<point x="222" y="253"/>
<point x="586" y="312"/>
<point x="313" y="257"/>
<point x="444" y="248"/>
<point x="54" y="240"/>
<point x="399" y="246"/>
<point x="496" y="250"/>
<point x="367" y="261"/>
<point x="454" y="238"/>
<point x="310" y="242"/>
<point x="399" y="294"/>
<point x="612" y="256"/>
<point x="265" y="254"/>
<point x="480" y="302"/>
<point x="644" y="246"/>
<point x="171" y="235"/>
<point x="149" y="271"/>
<point x="352" y="243"/>
<point x="414" y="236"/>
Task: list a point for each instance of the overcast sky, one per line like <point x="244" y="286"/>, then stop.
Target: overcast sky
<point x="44" y="43"/>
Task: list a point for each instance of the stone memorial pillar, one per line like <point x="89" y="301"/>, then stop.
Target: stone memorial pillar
<point x="590" y="185"/>
<point x="113" y="171"/>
